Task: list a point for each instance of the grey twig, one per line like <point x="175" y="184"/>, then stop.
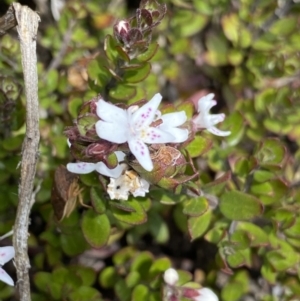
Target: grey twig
<point x="8" y="21"/>
<point x="27" y="30"/>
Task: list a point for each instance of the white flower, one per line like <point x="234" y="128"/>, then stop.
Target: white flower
<point x="134" y="126"/>
<point x="129" y="182"/>
<point x="204" y="120"/>
<point x="87" y="167"/>
<point x="6" y="254"/>
<point x="171" y="276"/>
<point x="206" y="294"/>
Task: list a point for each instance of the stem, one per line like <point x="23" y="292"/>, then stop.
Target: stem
<point x="27" y="29"/>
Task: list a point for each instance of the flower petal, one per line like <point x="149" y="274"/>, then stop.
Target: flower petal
<point x="5" y="277"/>
<point x="6" y="254"/>
<point x="205" y="103"/>
<point x="171" y="276"/>
<point x="113" y="132"/>
<point x="173" y="119"/>
<point x="156" y="135"/>
<point x="111" y="113"/>
<point x="120" y="155"/>
<point x="206" y="294"/>
<point x="141" y="153"/>
<point x="144" y="116"/>
<point x="142" y="189"/>
<point x="112" y="173"/>
<point x="218" y="132"/>
<point x="180" y="135"/>
<point x="81" y="167"/>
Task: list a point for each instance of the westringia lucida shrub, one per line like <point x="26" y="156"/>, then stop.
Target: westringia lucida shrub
<point x="129" y="140"/>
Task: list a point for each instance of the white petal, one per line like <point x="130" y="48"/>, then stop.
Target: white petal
<point x="113" y="132"/>
<point x="173" y="119"/>
<point x="120" y="155"/>
<point x="206" y="295"/>
<point x="144" y="116"/>
<point x="5" y="277"/>
<point x="141" y="153"/>
<point x="112" y="173"/>
<point x="81" y="167"/>
<point x="156" y="135"/>
<point x="6" y="254"/>
<point x="142" y="189"/>
<point x="180" y="135"/>
<point x="111" y="113"/>
<point x="171" y="276"/>
<point x="118" y="189"/>
<point x="69" y="143"/>
<point x="218" y="132"/>
<point x="206" y="103"/>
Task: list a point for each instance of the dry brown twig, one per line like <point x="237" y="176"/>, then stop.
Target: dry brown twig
<point x="27" y="25"/>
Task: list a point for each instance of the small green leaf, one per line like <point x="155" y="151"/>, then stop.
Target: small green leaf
<point x="122" y="92"/>
<point x="95" y="228"/>
<point x="147" y="55"/>
<point x="142" y="263"/>
<point x="237" y="205"/>
<point x="108" y="277"/>
<point x="98" y="199"/>
<point x="85" y="293"/>
<point x="136" y="217"/>
<point x="138" y="74"/>
<point x="195" y="206"/>
<point x="122" y="291"/>
<point x="140" y="292"/>
<point x="199" y="146"/>
<point x="198" y="225"/>
<point x="110" y="48"/>
<point x="271" y="153"/>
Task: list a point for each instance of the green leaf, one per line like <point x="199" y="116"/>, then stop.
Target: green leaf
<point x="108" y="277"/>
<point x="132" y="279"/>
<point x="237" y="205"/>
<point x="239" y="258"/>
<point x="138" y="74"/>
<point x="12" y="143"/>
<point x="147" y="55"/>
<point x="42" y="280"/>
<point x="98" y="199"/>
<point x="140" y="292"/>
<point x="199" y="146"/>
<point x="73" y="106"/>
<point x="122" y="291"/>
<point x="271" y="153"/>
<point x="122" y="92"/>
<point x="95" y="228"/>
<point x="110" y="48"/>
<point x="142" y="263"/>
<point x="73" y="244"/>
<point x="195" y="206"/>
<point x="284" y="26"/>
<point x="85" y="293"/>
<point x="258" y="237"/>
<point x="136" y="217"/>
<point x="198" y="225"/>
<point x="159" y="266"/>
<point x="187" y="22"/>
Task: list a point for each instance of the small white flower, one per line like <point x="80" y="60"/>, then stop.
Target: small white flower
<point x="134" y="126"/>
<point x="129" y="182"/>
<point x="206" y="294"/>
<point x="171" y="276"/>
<point x="204" y="120"/>
<point x="87" y="167"/>
<point x="6" y="254"/>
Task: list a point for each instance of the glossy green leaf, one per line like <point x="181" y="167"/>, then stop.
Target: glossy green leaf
<point x="134" y="217"/>
<point x="95" y="228"/>
<point x="108" y="277"/>
<point x="237" y="205"/>
<point x="199" y="146"/>
<point x="85" y="293"/>
<point x="122" y="92"/>
<point x="140" y="292"/>
<point x="198" y="225"/>
<point x="138" y="74"/>
<point x="195" y="206"/>
<point x="98" y="199"/>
